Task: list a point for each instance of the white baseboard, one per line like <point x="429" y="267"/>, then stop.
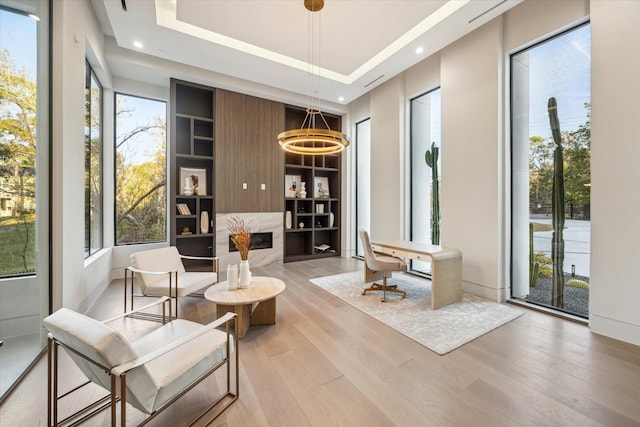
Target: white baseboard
<point x="493" y="294"/>
<point x="616" y="329"/>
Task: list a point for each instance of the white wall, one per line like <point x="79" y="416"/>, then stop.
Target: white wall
<point x="76" y="36"/>
<point x="475" y="193"/>
<point x="615" y="208"/>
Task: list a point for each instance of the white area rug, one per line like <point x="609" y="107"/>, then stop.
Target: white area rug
<point x="440" y="330"/>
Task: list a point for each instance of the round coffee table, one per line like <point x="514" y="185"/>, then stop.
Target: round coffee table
<point x="255" y="305"/>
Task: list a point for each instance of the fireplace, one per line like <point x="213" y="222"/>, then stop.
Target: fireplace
<point x="258" y="241"/>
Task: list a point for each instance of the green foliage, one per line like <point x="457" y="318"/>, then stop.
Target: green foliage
<point x="575" y="283"/>
<point x="544" y="262"/>
<point x="534" y="267"/>
<point x="17" y="243"/>
<point x="431" y="158"/>
<point x="537" y="226"/>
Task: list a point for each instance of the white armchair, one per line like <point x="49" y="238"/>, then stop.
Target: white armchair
<point x="160" y="272"/>
<point x="150" y="372"/>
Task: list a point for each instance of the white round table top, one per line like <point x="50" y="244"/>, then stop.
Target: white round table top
<point x="261" y="288"/>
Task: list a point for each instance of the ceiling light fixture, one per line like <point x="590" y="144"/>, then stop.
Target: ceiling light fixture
<point x="310" y="139"/>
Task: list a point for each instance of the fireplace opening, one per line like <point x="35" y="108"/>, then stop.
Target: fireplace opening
<point x="258" y="241"/>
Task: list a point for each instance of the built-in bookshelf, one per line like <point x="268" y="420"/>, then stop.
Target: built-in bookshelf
<point x="312" y="221"/>
<point x="192" y="169"/>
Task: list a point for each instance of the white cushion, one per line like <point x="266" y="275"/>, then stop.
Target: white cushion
<point x="93" y="339"/>
<point x="168" y="259"/>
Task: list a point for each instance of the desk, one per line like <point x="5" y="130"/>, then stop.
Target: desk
<point x="446" y="267"/>
<point x="255" y="305"/>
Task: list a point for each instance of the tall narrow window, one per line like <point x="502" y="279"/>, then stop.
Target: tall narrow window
<point x="558" y="68"/>
<point x="24" y="181"/>
<point x="363" y="180"/>
<point x="93" y="164"/>
<point x="425" y="131"/>
<point x="141" y="172"/>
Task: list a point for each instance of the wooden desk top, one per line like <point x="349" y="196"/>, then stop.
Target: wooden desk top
<point x="260" y="289"/>
<point x="434" y="251"/>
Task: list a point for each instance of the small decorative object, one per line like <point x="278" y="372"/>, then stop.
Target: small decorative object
<point x="291" y="185"/>
<point x="204" y="222"/>
<point x="320" y="208"/>
<point x="301" y="225"/>
<point x="331" y="218"/>
<point x="301" y="209"/>
<point x="241" y="238"/>
<point x="245" y="275"/>
<point x="197" y="181"/>
<point x="287" y="220"/>
<point x="186" y="230"/>
<point x="187" y="190"/>
<point x="303" y="190"/>
<point x="318" y="224"/>
<point x="232" y="277"/>
<point x="321" y="184"/>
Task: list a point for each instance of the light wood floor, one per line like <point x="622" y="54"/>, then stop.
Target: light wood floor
<point x="327" y="364"/>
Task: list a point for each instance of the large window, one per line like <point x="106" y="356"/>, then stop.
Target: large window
<point x="550" y="181"/>
<point x="141" y="175"/>
<point x="24" y="181"/>
<point x="425" y="131"/>
<point x="363" y="181"/>
<point x="93" y="164"/>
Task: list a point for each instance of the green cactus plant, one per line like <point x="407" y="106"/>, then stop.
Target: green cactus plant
<point x="534" y="266"/>
<point x="557" y="208"/>
<point x="431" y="157"/>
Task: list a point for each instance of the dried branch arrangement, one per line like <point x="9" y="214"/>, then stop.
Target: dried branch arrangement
<point x="240" y="236"/>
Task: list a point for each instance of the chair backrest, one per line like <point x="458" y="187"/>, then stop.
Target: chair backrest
<point x="162" y="259"/>
<point x="94" y="340"/>
<point x="369" y="255"/>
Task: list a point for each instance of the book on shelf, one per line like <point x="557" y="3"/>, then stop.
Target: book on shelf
<point x="183" y="209"/>
<point x="321" y="248"/>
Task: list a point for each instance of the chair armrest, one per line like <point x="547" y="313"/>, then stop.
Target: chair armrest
<point x="125" y="367"/>
<point x="215" y="259"/>
<point x="162" y="300"/>
<point x="137" y="270"/>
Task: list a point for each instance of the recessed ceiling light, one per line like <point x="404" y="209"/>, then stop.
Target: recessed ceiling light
<point x="419" y="49"/>
<point x="137" y="44"/>
<point x="34" y="17"/>
<point x="341" y="99"/>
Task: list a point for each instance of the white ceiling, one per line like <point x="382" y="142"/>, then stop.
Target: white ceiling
<point x="355" y="45"/>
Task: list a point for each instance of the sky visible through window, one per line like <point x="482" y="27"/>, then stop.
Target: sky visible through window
<point x="19" y="42"/>
<point x="560" y="68"/>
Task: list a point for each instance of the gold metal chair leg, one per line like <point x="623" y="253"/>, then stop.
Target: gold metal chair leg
<point x="384" y="288"/>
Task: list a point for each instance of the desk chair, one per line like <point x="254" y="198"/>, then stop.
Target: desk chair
<point x="383" y="263"/>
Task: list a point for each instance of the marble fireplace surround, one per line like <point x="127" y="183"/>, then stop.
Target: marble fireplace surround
<point x="258" y="222"/>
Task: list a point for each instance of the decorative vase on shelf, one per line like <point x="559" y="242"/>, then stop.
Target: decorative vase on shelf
<point x="245" y="274"/>
<point x="204" y="222"/>
<point x="331" y="218"/>
<point x="232" y="277"/>
<point x="303" y="190"/>
<point x="187" y="190"/>
<point x="287" y="220"/>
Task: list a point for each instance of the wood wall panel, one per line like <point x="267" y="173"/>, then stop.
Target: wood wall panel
<point x="247" y="151"/>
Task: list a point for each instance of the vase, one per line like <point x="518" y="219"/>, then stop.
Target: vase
<point x="187" y="190"/>
<point x="303" y="190"/>
<point x="245" y="274"/>
<point x="232" y="277"/>
<point x="287" y="220"/>
<point x="204" y="222"/>
<point x="331" y="218"/>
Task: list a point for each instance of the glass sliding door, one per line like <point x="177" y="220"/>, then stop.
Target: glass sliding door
<point x="551" y="247"/>
<point x="363" y="180"/>
<point x="24" y="182"/>
<point x="425" y="130"/>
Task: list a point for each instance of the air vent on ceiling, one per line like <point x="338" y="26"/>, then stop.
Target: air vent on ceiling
<point x="488" y="10"/>
<point x="373" y="81"/>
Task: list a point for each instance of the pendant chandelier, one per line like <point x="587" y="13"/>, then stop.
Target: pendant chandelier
<point x="309" y="139"/>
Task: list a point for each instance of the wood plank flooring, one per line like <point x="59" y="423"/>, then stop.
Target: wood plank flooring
<point x="325" y="363"/>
